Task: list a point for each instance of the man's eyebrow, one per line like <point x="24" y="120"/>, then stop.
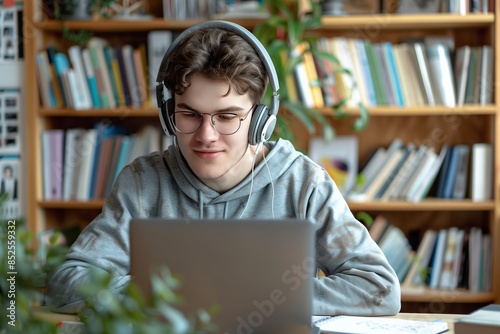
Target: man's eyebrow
<point x="227" y="109"/>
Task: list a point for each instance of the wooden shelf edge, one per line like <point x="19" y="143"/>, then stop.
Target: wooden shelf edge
<point x="416" y="111"/>
<point x="380" y="21"/>
<point x="425" y="294"/>
<point x="139" y="25"/>
<point x="427" y="204"/>
<point x="92" y="204"/>
<point x="117" y="112"/>
<point x="407" y="21"/>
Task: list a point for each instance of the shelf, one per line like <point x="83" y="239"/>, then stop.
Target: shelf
<point x="425" y="294"/>
<point x="418" y="111"/>
<point x="425" y="205"/>
<point x="92" y="204"/>
<point x="395" y="21"/>
<point x="130" y="26"/>
<point x="379" y="22"/>
<point x="117" y="112"/>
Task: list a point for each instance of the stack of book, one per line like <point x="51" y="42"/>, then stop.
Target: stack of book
<point x="409" y="172"/>
<point x="416" y="72"/>
<point x="101" y="75"/>
<point x="82" y="164"/>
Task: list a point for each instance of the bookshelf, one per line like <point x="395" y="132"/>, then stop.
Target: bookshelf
<point x="468" y="124"/>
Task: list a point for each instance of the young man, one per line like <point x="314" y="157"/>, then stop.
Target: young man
<point x="221" y="167"/>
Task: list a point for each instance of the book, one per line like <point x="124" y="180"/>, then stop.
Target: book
<point x="302" y="79"/>
<point x="391" y="178"/>
<point x="441" y="73"/>
<point x="421" y="261"/>
<point x="446" y="278"/>
<point x="72" y="162"/>
<point x="438" y="256"/>
<point x="481" y="177"/>
<point x="91" y="79"/>
<point x="423" y="67"/>
<point x="451" y="173"/>
<point x="428" y="179"/>
<point x="394" y="74"/>
<point x="132" y="83"/>
<point x="339" y="157"/>
<point x="75" y="56"/>
<point x="460" y="185"/>
<point x="419" y="7"/>
<point x="88" y="148"/>
<point x="485" y="320"/>
<point x="158" y="43"/>
<point x="461" y="69"/>
<point x="423" y="174"/>
<point x="386" y="73"/>
<point x="486" y="76"/>
<point x="344" y="324"/>
<point x="364" y="83"/>
<point x="96" y="46"/>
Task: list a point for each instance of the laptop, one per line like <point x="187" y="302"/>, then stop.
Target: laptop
<point x="257" y="273"/>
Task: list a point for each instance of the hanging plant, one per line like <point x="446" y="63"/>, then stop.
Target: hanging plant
<point x="288" y="26"/>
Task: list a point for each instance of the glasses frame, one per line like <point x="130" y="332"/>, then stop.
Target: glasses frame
<point x="212" y="121"/>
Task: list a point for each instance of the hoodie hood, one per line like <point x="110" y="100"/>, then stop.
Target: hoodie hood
<point x="279" y="159"/>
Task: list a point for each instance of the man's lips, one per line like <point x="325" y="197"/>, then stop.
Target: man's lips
<point x="207" y="154"/>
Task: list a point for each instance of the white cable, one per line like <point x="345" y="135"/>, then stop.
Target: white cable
<point x="270" y="178"/>
<point x="251" y="181"/>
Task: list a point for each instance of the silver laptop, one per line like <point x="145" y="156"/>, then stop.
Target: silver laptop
<point x="257" y="273"/>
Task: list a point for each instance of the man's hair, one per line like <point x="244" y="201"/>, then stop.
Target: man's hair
<point x="219" y="55"/>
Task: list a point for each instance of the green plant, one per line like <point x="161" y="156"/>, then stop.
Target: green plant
<point x="287" y="27"/>
<point x="130" y="312"/>
<point x="100" y="7"/>
<point x="80" y="37"/>
<point x="65" y="9"/>
<point x="106" y="312"/>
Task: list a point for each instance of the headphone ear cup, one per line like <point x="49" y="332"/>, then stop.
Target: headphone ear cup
<point x="166" y="110"/>
<point x="261" y="125"/>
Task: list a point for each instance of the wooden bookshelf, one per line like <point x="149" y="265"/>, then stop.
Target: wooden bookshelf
<point x="477" y="123"/>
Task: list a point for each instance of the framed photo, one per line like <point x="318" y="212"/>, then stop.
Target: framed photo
<point x="9" y="188"/>
<point x="339" y="158"/>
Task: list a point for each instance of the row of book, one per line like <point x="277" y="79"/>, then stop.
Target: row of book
<point x="412" y="172"/>
<point x="463" y="7"/>
<point x="448" y="258"/>
<point x="420" y="72"/>
<point x="82" y="164"/>
<point x="193" y="9"/>
<point x="101" y="75"/>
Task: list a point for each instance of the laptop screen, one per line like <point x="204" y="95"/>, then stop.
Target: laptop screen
<point x="257" y="273"/>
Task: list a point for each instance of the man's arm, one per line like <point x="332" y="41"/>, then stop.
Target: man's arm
<point x="103" y="244"/>
<point x="359" y="279"/>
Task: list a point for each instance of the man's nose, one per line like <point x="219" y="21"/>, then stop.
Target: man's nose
<point x="207" y="129"/>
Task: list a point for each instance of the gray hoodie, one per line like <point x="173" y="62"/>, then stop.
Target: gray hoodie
<point x="358" y="281"/>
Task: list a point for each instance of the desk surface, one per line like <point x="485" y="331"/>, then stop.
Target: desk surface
<point x="44" y="314"/>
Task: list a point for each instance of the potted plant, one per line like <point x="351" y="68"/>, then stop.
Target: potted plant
<point x="23" y="289"/>
<point x="289" y="24"/>
<point x="82" y="9"/>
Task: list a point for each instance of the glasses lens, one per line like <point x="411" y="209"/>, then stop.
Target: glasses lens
<point x="187" y="122"/>
<point x="226" y="123"/>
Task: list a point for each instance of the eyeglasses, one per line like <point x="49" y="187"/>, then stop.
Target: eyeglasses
<point x="225" y="123"/>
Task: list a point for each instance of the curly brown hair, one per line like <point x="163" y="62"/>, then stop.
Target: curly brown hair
<point x="217" y="54"/>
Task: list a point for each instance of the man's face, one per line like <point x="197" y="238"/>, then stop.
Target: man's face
<point x="220" y="161"/>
